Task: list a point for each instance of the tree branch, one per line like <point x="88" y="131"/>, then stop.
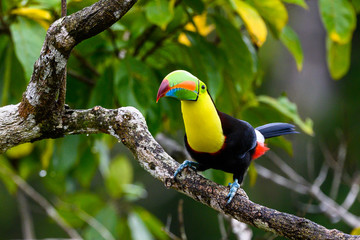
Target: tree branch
<point x="128" y="125"/>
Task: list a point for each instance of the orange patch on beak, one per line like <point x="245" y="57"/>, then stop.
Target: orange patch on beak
<point x="189" y="85"/>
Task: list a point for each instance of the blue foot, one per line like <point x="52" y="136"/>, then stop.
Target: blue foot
<point x="233" y="189"/>
<point x="185" y="164"/>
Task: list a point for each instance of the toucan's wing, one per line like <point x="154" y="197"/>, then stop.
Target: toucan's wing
<point x="240" y="135"/>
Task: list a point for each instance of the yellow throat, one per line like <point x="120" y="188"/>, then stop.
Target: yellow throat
<point x="202" y="124"/>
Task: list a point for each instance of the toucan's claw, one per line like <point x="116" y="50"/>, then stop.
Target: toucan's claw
<point x="186" y="163"/>
<point x="233" y="189"/>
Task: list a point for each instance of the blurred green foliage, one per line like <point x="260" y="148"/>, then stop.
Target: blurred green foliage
<point x="88" y="177"/>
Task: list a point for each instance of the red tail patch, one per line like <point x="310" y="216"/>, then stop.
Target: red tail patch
<point x="260" y="150"/>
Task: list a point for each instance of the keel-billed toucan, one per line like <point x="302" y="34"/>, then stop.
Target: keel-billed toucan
<point x="215" y="139"/>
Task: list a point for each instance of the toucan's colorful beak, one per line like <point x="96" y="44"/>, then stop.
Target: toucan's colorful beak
<point x="179" y="84"/>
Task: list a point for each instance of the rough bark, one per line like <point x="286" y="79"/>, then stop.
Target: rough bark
<point x="41" y="114"/>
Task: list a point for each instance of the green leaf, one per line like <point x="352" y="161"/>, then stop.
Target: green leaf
<point x="88" y="162"/>
<point x="7" y="75"/>
<point x="55" y="182"/>
<point x="288" y="109"/>
<point x="197" y="5"/>
<point x="152" y="223"/>
<point x="5" y="170"/>
<point x="103" y="94"/>
<point x="123" y="228"/>
<point x="301" y="3"/>
<point x="5" y="46"/>
<point x="65" y="153"/>
<point x="47" y="153"/>
<point x="131" y="75"/>
<point x="20" y="151"/>
<point x="241" y="65"/>
<point x="160" y="12"/>
<point x="355" y="231"/>
<point x="72" y="206"/>
<point x="12" y="77"/>
<point x="88" y="202"/>
<point x="274" y="12"/>
<point x="124" y="85"/>
<point x="138" y="228"/>
<point x="339" y="18"/>
<point x="282" y="143"/>
<point x="290" y="39"/>
<point x="48" y="3"/>
<point x="356" y="4"/>
<point x="28" y="166"/>
<point x="102" y="149"/>
<point x="120" y="174"/>
<point x="252" y="174"/>
<point x="28" y="37"/>
<point x="107" y="217"/>
<point x="208" y="65"/>
<point x="253" y="21"/>
<point x="338" y="58"/>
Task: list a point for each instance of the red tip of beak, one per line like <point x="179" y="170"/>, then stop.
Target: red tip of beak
<point x="163" y="89"/>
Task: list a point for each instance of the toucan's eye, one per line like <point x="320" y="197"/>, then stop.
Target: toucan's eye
<point x="203" y="87"/>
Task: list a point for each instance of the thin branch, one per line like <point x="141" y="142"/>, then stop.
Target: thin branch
<point x="322" y="175"/>
<point x="181" y="220"/>
<point x="27" y="225"/>
<point x="174" y="149"/>
<point x="338" y="171"/>
<point x="140" y="41"/>
<point x="286" y="168"/>
<point x="85" y="63"/>
<point x="241" y="230"/>
<point x="223" y="232"/>
<point x="310" y="161"/>
<point x="280" y="180"/>
<point x="63" y="8"/>
<point x="159" y="42"/>
<point x="81" y="78"/>
<point x="167" y="229"/>
<point x="90" y="220"/>
<point x="95" y="224"/>
<point x="353" y="193"/>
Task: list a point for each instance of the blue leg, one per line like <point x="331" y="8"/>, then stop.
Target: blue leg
<point x="186" y="163"/>
<point x="233" y="189"/>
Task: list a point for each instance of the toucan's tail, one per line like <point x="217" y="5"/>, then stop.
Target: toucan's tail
<point x="276" y="129"/>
